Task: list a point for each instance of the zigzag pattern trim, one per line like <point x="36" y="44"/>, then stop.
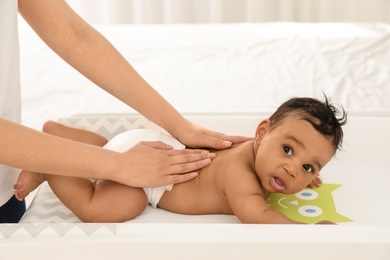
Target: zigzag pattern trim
<point x="46" y="208"/>
<point x="57" y="230"/>
<point x="110" y="126"/>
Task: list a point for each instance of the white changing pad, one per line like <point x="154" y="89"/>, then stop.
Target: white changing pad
<point x="46" y="208"/>
<point x="361" y="168"/>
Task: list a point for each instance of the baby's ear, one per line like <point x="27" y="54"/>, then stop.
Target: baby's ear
<point x="262" y="129"/>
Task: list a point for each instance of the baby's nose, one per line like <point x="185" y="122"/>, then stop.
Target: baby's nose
<point x="291" y="169"/>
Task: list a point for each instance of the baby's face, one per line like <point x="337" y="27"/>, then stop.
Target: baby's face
<point x="290" y="156"/>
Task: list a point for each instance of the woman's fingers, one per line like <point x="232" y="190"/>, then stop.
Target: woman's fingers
<point x="152" y="164"/>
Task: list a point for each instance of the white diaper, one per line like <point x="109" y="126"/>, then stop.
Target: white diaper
<point x="154" y="194"/>
<point x="124" y="141"/>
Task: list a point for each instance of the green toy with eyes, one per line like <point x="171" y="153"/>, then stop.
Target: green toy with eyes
<point x="309" y="205"/>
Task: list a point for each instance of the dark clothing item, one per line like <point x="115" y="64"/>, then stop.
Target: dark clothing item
<point x="12" y="211"/>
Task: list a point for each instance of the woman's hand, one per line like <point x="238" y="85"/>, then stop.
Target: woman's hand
<point x="199" y="137"/>
<point x="153" y="164"/>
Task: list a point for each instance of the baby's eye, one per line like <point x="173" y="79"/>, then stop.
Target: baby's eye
<point x="308" y="168"/>
<point x="287" y="150"/>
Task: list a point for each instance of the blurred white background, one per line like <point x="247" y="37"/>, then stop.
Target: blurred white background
<point x="231" y="11"/>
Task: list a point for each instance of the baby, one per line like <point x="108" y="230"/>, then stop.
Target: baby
<point x="286" y="155"/>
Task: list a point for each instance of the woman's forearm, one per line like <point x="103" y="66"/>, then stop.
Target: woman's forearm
<point x="94" y="56"/>
<point x="91" y="54"/>
<point x="147" y="164"/>
<point x="32" y="150"/>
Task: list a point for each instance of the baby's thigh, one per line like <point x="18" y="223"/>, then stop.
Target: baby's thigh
<point x="119" y="202"/>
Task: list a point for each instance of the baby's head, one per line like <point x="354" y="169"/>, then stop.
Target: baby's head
<point x="322" y="115"/>
<point x="296" y="142"/>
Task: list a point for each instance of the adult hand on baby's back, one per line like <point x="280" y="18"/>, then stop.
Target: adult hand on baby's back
<point x="153" y="164"/>
<point x="199" y="137"/>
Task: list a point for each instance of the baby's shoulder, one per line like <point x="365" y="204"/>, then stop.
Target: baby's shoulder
<point x="243" y="186"/>
<point x="241" y="174"/>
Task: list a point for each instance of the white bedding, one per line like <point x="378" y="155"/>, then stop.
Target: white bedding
<point x="220" y="67"/>
<point x="236" y="72"/>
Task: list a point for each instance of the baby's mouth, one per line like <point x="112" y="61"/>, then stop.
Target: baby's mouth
<point x="278" y="184"/>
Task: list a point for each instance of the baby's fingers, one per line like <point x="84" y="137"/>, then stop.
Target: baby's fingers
<point x="315" y="183"/>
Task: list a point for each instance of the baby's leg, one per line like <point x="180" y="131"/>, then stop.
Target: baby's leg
<point x="107" y="202"/>
<point x="28" y="181"/>
<point x="75" y="134"/>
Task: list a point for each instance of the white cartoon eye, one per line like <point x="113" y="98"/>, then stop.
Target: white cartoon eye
<point x="307" y="194"/>
<point x="310" y="211"/>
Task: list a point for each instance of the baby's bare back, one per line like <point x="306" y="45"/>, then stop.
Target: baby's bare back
<point x="205" y="194"/>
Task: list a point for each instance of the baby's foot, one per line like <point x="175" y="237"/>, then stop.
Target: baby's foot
<point x="26" y="183"/>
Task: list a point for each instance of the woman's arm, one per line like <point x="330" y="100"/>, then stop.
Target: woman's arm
<point x="141" y="166"/>
<point x="92" y="55"/>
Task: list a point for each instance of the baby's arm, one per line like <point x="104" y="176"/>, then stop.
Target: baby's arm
<point x="253" y="209"/>
<point x="250" y="207"/>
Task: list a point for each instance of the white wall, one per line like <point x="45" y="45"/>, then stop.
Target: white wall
<point x="228" y="11"/>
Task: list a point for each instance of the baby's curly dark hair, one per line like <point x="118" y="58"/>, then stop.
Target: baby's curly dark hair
<point x="323" y="116"/>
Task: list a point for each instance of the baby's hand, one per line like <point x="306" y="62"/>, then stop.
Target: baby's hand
<point x="315" y="183"/>
<point x="326" y="222"/>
